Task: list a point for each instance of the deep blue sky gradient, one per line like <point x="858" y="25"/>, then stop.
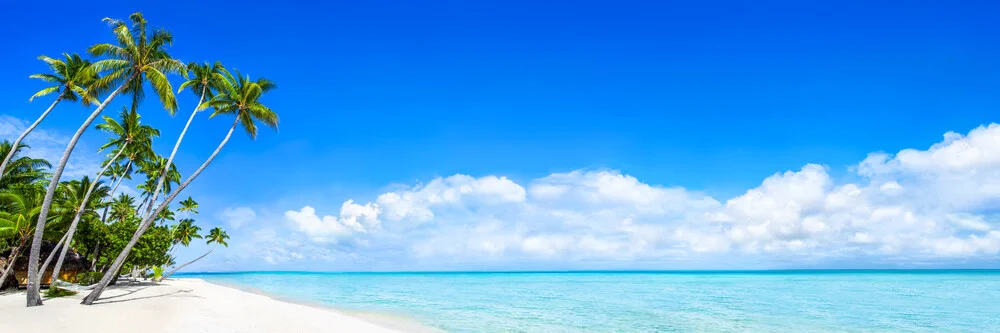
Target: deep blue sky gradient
<point x="709" y="95"/>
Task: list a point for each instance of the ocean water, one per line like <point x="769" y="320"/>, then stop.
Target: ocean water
<point x="759" y="301"/>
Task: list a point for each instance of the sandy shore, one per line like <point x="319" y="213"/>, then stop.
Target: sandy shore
<point x="178" y="305"/>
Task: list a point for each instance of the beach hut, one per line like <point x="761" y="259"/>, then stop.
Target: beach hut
<point x="72" y="265"/>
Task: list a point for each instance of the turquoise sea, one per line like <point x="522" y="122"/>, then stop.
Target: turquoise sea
<point x="702" y="301"/>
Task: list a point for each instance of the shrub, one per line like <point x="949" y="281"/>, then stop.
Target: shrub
<point x="88" y="278"/>
<point x="54" y="292"/>
<point x="157" y="273"/>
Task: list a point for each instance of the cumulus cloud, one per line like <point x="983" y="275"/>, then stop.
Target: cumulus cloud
<point x="50" y="146"/>
<point x="237" y="217"/>
<point x="353" y="219"/>
<point x="933" y="204"/>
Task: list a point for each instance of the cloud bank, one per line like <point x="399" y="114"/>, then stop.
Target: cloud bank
<point x="915" y="205"/>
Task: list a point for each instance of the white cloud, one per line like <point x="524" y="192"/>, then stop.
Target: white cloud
<point x="923" y="205"/>
<point x="353" y="219"/>
<point x="237" y="217"/>
<point x="50" y="146"/>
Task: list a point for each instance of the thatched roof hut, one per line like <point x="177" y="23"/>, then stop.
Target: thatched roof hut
<point x="73" y="264"/>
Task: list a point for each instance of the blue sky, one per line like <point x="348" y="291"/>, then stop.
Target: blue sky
<point x="389" y="96"/>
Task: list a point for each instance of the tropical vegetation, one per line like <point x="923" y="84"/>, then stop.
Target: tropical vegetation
<point x="117" y="230"/>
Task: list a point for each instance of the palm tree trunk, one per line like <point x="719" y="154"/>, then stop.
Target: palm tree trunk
<point x="34" y="298"/>
<point x="16" y="252"/>
<point x="166" y="168"/>
<point x="121" y="178"/>
<point x="13" y="147"/>
<point x="117" y="264"/>
<point x="188" y="263"/>
<point x="79" y="213"/>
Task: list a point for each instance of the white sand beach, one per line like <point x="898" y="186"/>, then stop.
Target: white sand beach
<point x="177" y="305"/>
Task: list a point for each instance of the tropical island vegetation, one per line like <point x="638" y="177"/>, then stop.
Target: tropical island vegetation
<point x="49" y="223"/>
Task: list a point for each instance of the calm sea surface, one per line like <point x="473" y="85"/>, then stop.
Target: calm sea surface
<point x="760" y="301"/>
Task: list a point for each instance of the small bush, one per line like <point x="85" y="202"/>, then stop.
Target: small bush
<point x="157" y="273"/>
<point x="54" y="292"/>
<point x="88" y="278"/>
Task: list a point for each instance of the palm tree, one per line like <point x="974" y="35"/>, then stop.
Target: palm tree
<point x="241" y="98"/>
<point x="137" y="58"/>
<point x="188" y="205"/>
<point x="72" y="79"/>
<point x="122" y="208"/>
<point x="184" y="232"/>
<point x="153" y="168"/>
<point x="129" y="135"/>
<point x="205" y="81"/>
<point x="216" y="235"/>
<point x="87" y="205"/>
<point x="20" y="209"/>
<point x="21" y="170"/>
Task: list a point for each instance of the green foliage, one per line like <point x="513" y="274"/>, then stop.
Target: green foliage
<point x="151" y="250"/>
<point x="240" y="97"/>
<point x="71" y="77"/>
<point x="88" y="278"/>
<point x="217" y="235"/>
<point x="157" y="272"/>
<point x="54" y="292"/>
<point x="21" y="169"/>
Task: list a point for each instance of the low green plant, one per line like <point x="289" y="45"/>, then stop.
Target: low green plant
<point x="54" y="292"/>
<point x="88" y="278"/>
<point x="157" y="273"/>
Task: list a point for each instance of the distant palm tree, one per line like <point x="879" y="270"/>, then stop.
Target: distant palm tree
<point x="184" y="232"/>
<point x="205" y="81"/>
<point x="240" y="98"/>
<point x="122" y="208"/>
<point x="153" y="168"/>
<point x="72" y="78"/>
<point x="21" y="170"/>
<point x="216" y="235"/>
<point x="188" y="205"/>
<point x="137" y="58"/>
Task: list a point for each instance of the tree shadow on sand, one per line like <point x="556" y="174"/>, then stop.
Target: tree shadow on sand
<point x="170" y="294"/>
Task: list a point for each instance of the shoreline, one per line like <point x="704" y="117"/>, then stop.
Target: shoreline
<point x="183" y="305"/>
<point x="388" y="320"/>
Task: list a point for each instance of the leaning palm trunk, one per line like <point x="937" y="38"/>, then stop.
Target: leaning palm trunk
<point x="121" y="178"/>
<point x="14" y="253"/>
<point x="165" y="276"/>
<point x="34" y="298"/>
<point x="79" y="213"/>
<point x="166" y="167"/>
<point x="13" y="149"/>
<point x="117" y="264"/>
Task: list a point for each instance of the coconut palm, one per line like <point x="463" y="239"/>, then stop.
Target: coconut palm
<point x="184" y="232"/>
<point x="131" y="136"/>
<point x="72" y="78"/>
<point x="122" y="207"/>
<point x="153" y="168"/>
<point x="216" y="235"/>
<point x="165" y="215"/>
<point x="20" y="207"/>
<point x="88" y="203"/>
<point x="21" y="170"/>
<point x="189" y="205"/>
<point x="240" y="98"/>
<point x="136" y="59"/>
<point x="204" y="80"/>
